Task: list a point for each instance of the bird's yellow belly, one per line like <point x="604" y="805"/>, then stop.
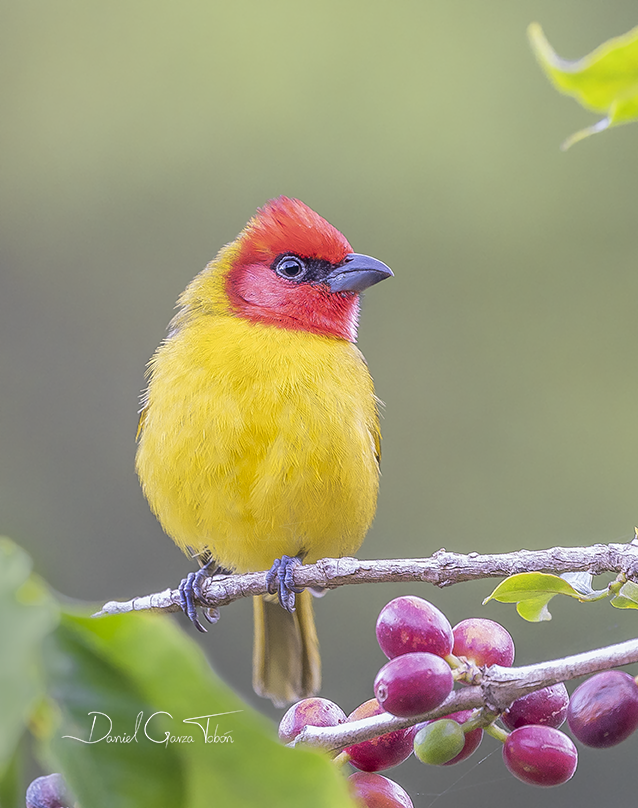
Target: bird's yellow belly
<point x="260" y="442"/>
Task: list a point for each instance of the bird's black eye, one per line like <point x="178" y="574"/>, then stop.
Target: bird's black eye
<point x="289" y="266"/>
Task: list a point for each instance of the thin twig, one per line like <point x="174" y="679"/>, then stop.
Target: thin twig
<point x="442" y="569"/>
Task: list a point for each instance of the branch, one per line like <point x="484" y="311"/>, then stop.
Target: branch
<point x="441" y="569"/>
<point x="499" y="687"/>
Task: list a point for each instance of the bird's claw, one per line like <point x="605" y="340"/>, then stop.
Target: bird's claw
<point x="190" y="590"/>
<point x="280" y="581"/>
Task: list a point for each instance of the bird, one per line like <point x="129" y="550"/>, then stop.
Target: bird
<point x="258" y="438"/>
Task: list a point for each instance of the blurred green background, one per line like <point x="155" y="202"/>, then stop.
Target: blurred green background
<point x="138" y="137"/>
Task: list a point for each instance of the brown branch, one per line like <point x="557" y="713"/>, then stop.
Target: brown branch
<point x="442" y="569"/>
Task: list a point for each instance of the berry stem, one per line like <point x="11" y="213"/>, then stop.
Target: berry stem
<point x="480" y="718"/>
<point x="616" y="585"/>
<point x="341" y="759"/>
<point x="497" y="732"/>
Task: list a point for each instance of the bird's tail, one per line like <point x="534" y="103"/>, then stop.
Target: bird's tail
<point x="286" y="662"/>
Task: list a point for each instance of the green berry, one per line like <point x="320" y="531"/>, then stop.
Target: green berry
<point x="439" y="742"/>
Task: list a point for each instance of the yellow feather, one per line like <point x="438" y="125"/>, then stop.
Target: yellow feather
<point x="258" y="441"/>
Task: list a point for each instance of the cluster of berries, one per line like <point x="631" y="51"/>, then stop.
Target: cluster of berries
<point x="426" y="657"/>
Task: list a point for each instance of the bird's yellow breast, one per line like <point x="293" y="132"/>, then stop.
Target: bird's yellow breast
<point x="258" y="441"/>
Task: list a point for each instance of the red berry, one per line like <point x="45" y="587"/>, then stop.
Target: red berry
<point x="315" y="712"/>
<point x="603" y="711"/>
<point x="383" y="752"/>
<point x="412" y="684"/>
<point x="540" y="756"/>
<point x="547" y="706"/>
<point x="410" y="624"/>
<point x="483" y="642"/>
<point x="376" y="791"/>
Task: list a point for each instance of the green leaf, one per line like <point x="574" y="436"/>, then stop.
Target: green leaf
<point x="11" y="786"/>
<point x="532" y="591"/>
<point x="27" y="614"/>
<point x="535" y="610"/>
<point x="627" y="598"/>
<point x="125" y="665"/>
<point x="89" y="693"/>
<point x="605" y="81"/>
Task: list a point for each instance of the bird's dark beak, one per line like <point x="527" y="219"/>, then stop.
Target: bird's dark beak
<point x="357" y="273"/>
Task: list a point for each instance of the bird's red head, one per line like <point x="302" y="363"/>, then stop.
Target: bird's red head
<point x="289" y="271"/>
<point x="286" y="225"/>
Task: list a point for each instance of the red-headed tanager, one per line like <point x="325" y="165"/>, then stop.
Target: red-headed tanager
<point x="259" y="432"/>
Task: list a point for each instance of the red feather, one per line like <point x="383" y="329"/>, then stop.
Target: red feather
<point x="288" y="226"/>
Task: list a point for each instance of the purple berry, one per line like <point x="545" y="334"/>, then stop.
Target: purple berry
<point x="483" y="642"/>
<point x="547" y="706"/>
<point x="540" y="755"/>
<point x="603" y="711"/>
<point x="412" y="684"/>
<point x="409" y="624"/>
<point x="376" y="791"/>
<point x="48" y="792"/>
<point x="315" y="712"/>
<point x="383" y="752"/>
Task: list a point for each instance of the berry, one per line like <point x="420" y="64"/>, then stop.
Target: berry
<point x="473" y="738"/>
<point x="376" y="791"/>
<point x="483" y="642"/>
<point x="383" y="752"/>
<point x="603" y="711"/>
<point x="439" y="742"/>
<point x="410" y="624"/>
<point x="48" y="792"/>
<point x="412" y="684"/>
<point x="540" y="755"/>
<point x="547" y="706"/>
<point x="315" y="712"/>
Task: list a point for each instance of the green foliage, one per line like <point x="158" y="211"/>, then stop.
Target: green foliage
<point x="27" y="614"/>
<point x="532" y="591"/>
<point x="604" y="81"/>
<point x="11" y="780"/>
<point x="71" y="679"/>
<point x="627" y="596"/>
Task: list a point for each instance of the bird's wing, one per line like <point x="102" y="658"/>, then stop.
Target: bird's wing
<point x="375" y="430"/>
